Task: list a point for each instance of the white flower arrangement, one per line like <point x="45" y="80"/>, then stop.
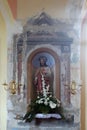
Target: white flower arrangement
<point x="44" y="103"/>
<point x="52" y="105"/>
<point x="45" y="98"/>
<point x="48" y="100"/>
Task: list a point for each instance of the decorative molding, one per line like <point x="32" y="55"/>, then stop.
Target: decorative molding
<point x="43" y="19"/>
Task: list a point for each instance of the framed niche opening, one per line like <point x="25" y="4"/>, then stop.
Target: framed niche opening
<point x="53" y="62"/>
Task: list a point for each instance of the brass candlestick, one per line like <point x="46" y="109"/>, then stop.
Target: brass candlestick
<point x="73" y="89"/>
<point x="11" y="87"/>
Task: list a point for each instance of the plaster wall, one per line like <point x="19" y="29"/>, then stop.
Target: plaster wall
<point x="13" y="7"/>
<point x="6" y="32"/>
<point x="3" y="72"/>
<point x="84" y="73"/>
<point x="55" y="8"/>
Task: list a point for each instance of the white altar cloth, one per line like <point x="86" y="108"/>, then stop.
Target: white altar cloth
<point x="47" y="116"/>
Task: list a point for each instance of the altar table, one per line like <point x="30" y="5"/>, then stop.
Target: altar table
<point x="54" y="125"/>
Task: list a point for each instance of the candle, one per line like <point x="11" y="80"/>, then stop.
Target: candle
<point x="73" y="85"/>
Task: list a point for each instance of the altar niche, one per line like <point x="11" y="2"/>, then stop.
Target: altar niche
<point x="51" y="68"/>
<point x="39" y="38"/>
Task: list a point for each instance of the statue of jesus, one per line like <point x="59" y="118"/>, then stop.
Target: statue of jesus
<point x="43" y="71"/>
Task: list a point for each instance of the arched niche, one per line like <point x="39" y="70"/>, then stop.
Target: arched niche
<point x="31" y="91"/>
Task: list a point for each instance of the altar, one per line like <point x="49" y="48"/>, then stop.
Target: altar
<point x="44" y="73"/>
<point x="52" y="125"/>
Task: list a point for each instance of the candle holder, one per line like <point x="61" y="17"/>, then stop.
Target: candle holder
<point x="72" y="87"/>
<point x="11" y="87"/>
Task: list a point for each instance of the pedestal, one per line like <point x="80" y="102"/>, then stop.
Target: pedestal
<point x="52" y="125"/>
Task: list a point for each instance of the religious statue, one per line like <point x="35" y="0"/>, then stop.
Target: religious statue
<point x="43" y="72"/>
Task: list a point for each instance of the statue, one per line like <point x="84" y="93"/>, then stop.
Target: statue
<point x="43" y="73"/>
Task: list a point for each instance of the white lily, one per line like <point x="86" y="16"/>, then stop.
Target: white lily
<point x="52" y="105"/>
